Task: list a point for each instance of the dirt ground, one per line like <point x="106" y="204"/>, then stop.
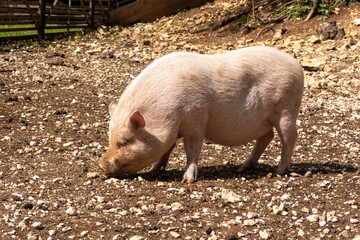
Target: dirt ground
<point x="54" y="126"/>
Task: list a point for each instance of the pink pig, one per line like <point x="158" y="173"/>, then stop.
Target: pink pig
<point x="230" y="99"/>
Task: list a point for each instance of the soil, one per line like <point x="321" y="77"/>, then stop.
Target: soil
<point x="54" y="126"/>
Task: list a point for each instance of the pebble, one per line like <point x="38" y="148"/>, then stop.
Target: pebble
<point x="70" y="211"/>
<point x="52" y="232"/>
<point x="91" y="175"/>
<point x="264" y="234"/>
<point x="249" y="222"/>
<point x="322" y="223"/>
<point x="354" y="220"/>
<point x="301" y="233"/>
<point x="175" y="234"/>
<point x="37" y="225"/>
<point x="230" y="196"/>
<point x="31" y="236"/>
<point x="136" y="237"/>
<point x="344" y="234"/>
<point x="357" y="22"/>
<point x="313" y="218"/>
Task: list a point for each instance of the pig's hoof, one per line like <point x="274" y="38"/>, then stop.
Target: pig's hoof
<point x="282" y="170"/>
<point x="244" y="167"/>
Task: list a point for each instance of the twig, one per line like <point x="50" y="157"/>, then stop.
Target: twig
<point x="264" y="30"/>
<point x="253" y="10"/>
<point x="313" y="10"/>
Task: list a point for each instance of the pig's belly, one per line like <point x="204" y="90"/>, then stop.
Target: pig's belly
<point x="226" y="132"/>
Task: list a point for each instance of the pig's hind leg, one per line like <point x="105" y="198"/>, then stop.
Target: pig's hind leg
<point x="286" y="128"/>
<point x="162" y="162"/>
<point x="258" y="150"/>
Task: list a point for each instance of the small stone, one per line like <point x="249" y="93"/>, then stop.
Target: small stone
<point x="52" y="232"/>
<point x="84" y="233"/>
<point x="70" y="211"/>
<point x="307" y="174"/>
<point x="249" y="222"/>
<point x="251" y="215"/>
<point x="356" y="22"/>
<point x="354" y="149"/>
<point x="213" y="237"/>
<point x="357" y="237"/>
<point x="91" y="175"/>
<point x="264" y="234"/>
<point x="285" y="196"/>
<point x="230" y="196"/>
<point x="325" y="184"/>
<point x="174" y="234"/>
<point x="351" y="202"/>
<point x="354" y="220"/>
<point x="31" y="236"/>
<point x="322" y="223"/>
<point x="313" y="218"/>
<point x="136" y="237"/>
<point x="344" y="234"/>
<point x="278" y="209"/>
<point x="117" y="236"/>
<point x="314" y="39"/>
<point x="175" y="206"/>
<point x="301" y="233"/>
<point x="37" y="225"/>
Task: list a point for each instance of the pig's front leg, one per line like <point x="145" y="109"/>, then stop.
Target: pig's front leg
<point x="162" y="162"/>
<point x="193" y="145"/>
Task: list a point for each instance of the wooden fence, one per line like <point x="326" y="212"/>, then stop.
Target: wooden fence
<point x="37" y="17"/>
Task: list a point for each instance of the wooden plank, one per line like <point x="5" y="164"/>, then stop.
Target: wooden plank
<point x="15" y="22"/>
<point x="17" y="16"/>
<point x="147" y="10"/>
<point x="8" y="3"/>
<point x="17" y="29"/>
<point x="65" y="17"/>
<point x="65" y="11"/>
<point x="64" y="25"/>
<point x="20" y="37"/>
<point x="15" y="10"/>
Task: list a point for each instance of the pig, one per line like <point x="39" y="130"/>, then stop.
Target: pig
<point x="230" y="99"/>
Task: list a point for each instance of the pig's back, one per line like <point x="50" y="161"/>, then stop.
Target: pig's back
<point x="237" y="92"/>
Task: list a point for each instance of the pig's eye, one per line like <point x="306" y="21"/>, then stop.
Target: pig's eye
<point x="122" y="142"/>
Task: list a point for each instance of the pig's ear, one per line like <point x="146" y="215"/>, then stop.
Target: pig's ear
<point x="137" y="121"/>
<point x="112" y="107"/>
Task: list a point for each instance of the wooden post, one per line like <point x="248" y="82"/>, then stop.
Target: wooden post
<point x="68" y="17"/>
<point x="92" y="12"/>
<point x="42" y="23"/>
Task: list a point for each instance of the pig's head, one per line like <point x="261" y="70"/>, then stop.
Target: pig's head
<point x="131" y="146"/>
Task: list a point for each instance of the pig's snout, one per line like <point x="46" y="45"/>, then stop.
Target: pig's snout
<point x="104" y="168"/>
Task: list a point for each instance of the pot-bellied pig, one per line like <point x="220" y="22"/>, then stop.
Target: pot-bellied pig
<point x="229" y="99"/>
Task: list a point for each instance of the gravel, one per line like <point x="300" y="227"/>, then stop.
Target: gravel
<point x="54" y="125"/>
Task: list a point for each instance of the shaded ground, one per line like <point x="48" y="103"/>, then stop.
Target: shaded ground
<point x="54" y="123"/>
